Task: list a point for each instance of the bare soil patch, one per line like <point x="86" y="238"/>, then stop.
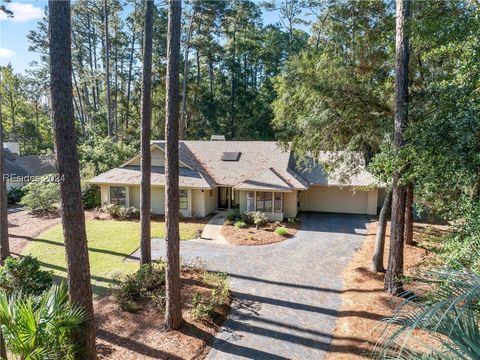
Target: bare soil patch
<point x="23" y="227"/>
<point x="364" y="303"/>
<point x="262" y="236"/>
<point x="123" y="336"/>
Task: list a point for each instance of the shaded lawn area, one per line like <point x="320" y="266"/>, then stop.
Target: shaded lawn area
<point x="109" y="242"/>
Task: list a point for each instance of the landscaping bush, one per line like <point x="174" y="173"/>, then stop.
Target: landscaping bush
<point x="41" y="327"/>
<point x="259" y="219"/>
<point x="24" y="275"/>
<point x="292" y="220"/>
<point x="147" y="283"/>
<point x="240" y="224"/>
<point x="121" y="213"/>
<point x="91" y="196"/>
<point x="204" y="308"/>
<point x="281" y="231"/>
<point x="247" y="217"/>
<point x="233" y="215"/>
<point x="256" y="218"/>
<point x="15" y="195"/>
<point x="41" y="196"/>
<point x="228" y="222"/>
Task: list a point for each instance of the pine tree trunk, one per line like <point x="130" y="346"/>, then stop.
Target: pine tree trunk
<point x="183" y="122"/>
<point x="145" y="242"/>
<point x="377" y="259"/>
<point x="107" y="72"/>
<point x="4" y="242"/>
<point x="408" y="232"/>
<point x="73" y="218"/>
<point x="393" y="281"/>
<point x="232" y="84"/>
<point x="130" y="70"/>
<point x="173" y="313"/>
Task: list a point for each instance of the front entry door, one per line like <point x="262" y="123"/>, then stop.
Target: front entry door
<point x="223" y="197"/>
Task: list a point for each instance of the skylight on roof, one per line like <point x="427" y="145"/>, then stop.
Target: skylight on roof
<point x="231" y="156"/>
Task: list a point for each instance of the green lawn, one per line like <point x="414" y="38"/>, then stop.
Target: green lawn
<point x="109" y="242"/>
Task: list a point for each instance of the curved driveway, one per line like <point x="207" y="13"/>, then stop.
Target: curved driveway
<point x="286" y="294"/>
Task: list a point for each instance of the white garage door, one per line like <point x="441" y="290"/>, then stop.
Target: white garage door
<point x="334" y="199"/>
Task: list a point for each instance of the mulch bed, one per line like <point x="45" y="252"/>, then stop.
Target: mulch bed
<point x="137" y="336"/>
<point x="364" y="302"/>
<point x="250" y="236"/>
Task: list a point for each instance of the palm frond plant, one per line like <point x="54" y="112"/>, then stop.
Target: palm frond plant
<point x="40" y="328"/>
<point x="448" y="320"/>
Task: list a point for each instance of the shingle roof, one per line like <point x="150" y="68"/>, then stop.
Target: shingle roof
<point x="131" y="175"/>
<point x="255" y="157"/>
<point x="261" y="165"/>
<point x="34" y="165"/>
<point x="345" y="168"/>
<point x="266" y="180"/>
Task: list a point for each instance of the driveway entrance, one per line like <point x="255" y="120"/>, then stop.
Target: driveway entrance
<point x="287" y="294"/>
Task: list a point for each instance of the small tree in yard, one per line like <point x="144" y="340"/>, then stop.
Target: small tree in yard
<point x="41" y="196"/>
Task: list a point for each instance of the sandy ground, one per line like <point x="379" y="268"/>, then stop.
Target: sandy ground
<point x="262" y="236"/>
<point x="23" y="227"/>
<point x="364" y="302"/>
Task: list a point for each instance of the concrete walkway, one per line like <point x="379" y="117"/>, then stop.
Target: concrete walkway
<point x="286" y="294"/>
<point x="213" y="229"/>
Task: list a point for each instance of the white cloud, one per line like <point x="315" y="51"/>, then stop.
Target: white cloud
<point x="22" y="12"/>
<point x="6" y="53"/>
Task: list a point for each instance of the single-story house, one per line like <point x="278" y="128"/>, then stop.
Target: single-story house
<point x="248" y="175"/>
<point x="21" y="169"/>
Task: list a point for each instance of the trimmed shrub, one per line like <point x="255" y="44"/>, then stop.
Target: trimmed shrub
<point x="15" y="195"/>
<point x="256" y="218"/>
<point x="240" y="224"/>
<point x="247" y="217"/>
<point x="281" y="231"/>
<point x="121" y="213"/>
<point x="233" y="215"/>
<point x="41" y="196"/>
<point x="25" y="276"/>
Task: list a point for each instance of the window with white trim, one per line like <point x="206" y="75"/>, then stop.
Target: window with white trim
<point x="264" y="201"/>
<point x="118" y="195"/>
<point x="250" y="201"/>
<point x="183" y="199"/>
<point x="278" y="202"/>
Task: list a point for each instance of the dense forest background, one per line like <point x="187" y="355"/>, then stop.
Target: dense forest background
<point x="320" y="79"/>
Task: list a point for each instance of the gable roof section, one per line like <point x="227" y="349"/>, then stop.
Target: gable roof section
<point x="266" y="180"/>
<point x="256" y="157"/>
<point x="131" y="175"/>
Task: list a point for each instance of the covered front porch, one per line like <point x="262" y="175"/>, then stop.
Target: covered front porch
<point x="276" y="205"/>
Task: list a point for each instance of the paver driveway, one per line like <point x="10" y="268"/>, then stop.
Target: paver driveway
<point x="286" y="294"/>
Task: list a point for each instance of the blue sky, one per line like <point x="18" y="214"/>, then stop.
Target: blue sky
<point x="13" y="32"/>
